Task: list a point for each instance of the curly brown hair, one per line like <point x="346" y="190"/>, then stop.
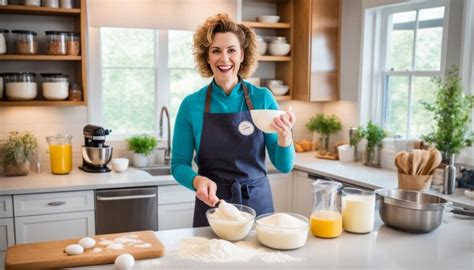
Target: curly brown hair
<point x="221" y="23"/>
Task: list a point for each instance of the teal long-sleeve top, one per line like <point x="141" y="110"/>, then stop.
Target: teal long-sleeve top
<point x="188" y="127"/>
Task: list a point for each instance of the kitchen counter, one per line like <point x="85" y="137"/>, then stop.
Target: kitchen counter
<point x="451" y="246"/>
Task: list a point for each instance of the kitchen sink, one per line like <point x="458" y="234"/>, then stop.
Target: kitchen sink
<point x="156" y="171"/>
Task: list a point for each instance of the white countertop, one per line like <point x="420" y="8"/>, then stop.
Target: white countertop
<point x="451" y="246"/>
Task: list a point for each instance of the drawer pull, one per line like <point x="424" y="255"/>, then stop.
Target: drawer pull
<point x="57" y="203"/>
<point x="118" y="198"/>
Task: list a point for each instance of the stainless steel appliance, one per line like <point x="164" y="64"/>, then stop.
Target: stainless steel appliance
<point x="126" y="210"/>
<point x="95" y="154"/>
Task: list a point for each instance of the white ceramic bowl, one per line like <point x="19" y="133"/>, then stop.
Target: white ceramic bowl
<point x="263" y="119"/>
<point x="279" y="90"/>
<point x="261" y="47"/>
<point x="229" y="229"/>
<point x="268" y="19"/>
<point x="282" y="237"/>
<point x="274" y="82"/>
<point x="279" y="49"/>
<point x="120" y="164"/>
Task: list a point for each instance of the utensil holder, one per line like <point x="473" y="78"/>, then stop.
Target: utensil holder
<point x="414" y="182"/>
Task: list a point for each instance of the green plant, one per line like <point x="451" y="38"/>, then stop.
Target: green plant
<point x="324" y="124"/>
<point x="451" y="110"/>
<point x="374" y="135"/>
<point x="357" y="136"/>
<point x="142" y="144"/>
<point x="19" y="148"/>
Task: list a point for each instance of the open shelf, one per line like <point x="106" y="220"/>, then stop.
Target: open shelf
<point x="31" y="10"/>
<point x="15" y="57"/>
<point x="267" y="25"/>
<point x="61" y="103"/>
<point x="283" y="98"/>
<point x="274" y="58"/>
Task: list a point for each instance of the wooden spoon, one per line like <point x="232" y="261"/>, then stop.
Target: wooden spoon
<point x="409" y="163"/>
<point x="416" y="161"/>
<point x="425" y="158"/>
<point x="399" y="162"/>
<point x="436" y="160"/>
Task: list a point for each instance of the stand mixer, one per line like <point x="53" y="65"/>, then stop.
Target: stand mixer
<point x="95" y="154"/>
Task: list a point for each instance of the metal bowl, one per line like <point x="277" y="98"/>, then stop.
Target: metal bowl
<point x="410" y="211"/>
<point x="97" y="156"/>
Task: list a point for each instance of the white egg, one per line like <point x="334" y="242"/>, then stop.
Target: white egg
<point x="87" y="242"/>
<point x="74" y="249"/>
<point x="124" y="262"/>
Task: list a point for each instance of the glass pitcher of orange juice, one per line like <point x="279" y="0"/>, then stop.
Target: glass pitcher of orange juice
<point x="326" y="220"/>
<point x="60" y="151"/>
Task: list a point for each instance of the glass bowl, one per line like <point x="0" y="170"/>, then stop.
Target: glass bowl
<point x="279" y="237"/>
<point x="231" y="230"/>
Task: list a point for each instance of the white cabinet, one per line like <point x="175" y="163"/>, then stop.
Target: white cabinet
<point x="6" y="208"/>
<point x="7" y="235"/>
<point x="175" y="207"/>
<point x="40" y="228"/>
<point x="282" y="186"/>
<point x="302" y="193"/>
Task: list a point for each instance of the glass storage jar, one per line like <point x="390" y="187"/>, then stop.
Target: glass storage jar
<point x="326" y="220"/>
<point x="73" y="43"/>
<point x="3" y="79"/>
<point x="3" y="41"/>
<point x="75" y="93"/>
<point x="55" y="86"/>
<point x="51" y="3"/>
<point x="25" y="42"/>
<point x="21" y="86"/>
<point x="65" y="3"/>
<point x="31" y="2"/>
<point x="60" y="151"/>
<point x="358" y="210"/>
<point x="56" y="42"/>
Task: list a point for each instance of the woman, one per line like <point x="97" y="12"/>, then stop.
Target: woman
<point x="215" y="121"/>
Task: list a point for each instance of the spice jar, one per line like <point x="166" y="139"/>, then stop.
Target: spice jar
<point x="25" y="42"/>
<point x="73" y="44"/>
<point x="3" y="41"/>
<point x="51" y="3"/>
<point x="55" y="86"/>
<point x="21" y="86"/>
<point x="65" y="3"/>
<point x="75" y="93"/>
<point x="31" y="3"/>
<point x="56" y="42"/>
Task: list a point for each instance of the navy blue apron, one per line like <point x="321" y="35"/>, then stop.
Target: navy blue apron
<point x="232" y="154"/>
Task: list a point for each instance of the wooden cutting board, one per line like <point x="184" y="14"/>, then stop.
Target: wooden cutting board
<point x="51" y="254"/>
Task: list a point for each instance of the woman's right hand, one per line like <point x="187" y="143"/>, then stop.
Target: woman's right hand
<point x="205" y="190"/>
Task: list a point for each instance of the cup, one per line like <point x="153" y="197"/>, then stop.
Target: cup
<point x="120" y="164"/>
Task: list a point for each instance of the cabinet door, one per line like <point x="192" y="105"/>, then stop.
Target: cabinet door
<point x="2" y="260"/>
<point x="40" y="228"/>
<point x="6" y="208"/>
<point x="282" y="185"/>
<point x="7" y="235"/>
<point x="175" y="216"/>
<point x="302" y="193"/>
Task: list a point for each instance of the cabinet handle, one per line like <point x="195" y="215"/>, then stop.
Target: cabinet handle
<point x="118" y="198"/>
<point x="57" y="203"/>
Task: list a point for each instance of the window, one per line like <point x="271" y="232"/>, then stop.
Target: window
<point x="412" y="55"/>
<point x="142" y="70"/>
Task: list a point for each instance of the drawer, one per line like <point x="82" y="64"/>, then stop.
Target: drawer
<point x="174" y="194"/>
<point x="7" y="235"/>
<point x="6" y="209"/>
<point x="50" y="203"/>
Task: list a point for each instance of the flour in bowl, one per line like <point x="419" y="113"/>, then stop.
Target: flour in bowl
<point x="282" y="231"/>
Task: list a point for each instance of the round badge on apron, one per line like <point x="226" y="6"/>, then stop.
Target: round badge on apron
<point x="246" y="128"/>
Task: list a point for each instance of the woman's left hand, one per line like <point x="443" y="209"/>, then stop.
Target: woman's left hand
<point x="283" y="125"/>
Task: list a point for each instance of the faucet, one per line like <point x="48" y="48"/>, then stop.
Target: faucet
<point x="168" y="148"/>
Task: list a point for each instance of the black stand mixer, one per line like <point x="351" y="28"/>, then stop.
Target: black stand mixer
<point x="95" y="154"/>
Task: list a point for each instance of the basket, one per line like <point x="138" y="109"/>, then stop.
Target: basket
<point x="414" y="182"/>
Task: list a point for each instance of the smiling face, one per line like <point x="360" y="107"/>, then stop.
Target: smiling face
<point x="225" y="56"/>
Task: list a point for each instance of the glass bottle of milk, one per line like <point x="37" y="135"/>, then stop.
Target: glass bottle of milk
<point x="358" y="207"/>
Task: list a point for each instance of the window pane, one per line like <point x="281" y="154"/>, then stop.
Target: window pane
<point x="396" y="111"/>
<point x="129" y="100"/>
<point x="180" y="54"/>
<point x="401" y="49"/>
<point x="431" y="13"/>
<point x="123" y="47"/>
<point x="422" y="120"/>
<point x="402" y="17"/>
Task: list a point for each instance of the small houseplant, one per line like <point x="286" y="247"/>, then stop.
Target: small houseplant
<point x="16" y="153"/>
<point x="451" y="112"/>
<point x="142" y="147"/>
<point x="374" y="135"/>
<point x="324" y="125"/>
<point x="356" y="135"/>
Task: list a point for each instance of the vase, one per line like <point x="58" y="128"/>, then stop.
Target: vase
<point x="140" y="160"/>
<point x="17" y="169"/>
<point x="450" y="176"/>
<point x="324" y="142"/>
<point x="372" y="156"/>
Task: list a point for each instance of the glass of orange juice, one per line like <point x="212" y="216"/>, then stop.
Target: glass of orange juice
<point x="326" y="220"/>
<point x="60" y="152"/>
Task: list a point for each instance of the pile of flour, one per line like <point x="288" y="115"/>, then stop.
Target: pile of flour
<point x="120" y="242"/>
<point x="222" y="251"/>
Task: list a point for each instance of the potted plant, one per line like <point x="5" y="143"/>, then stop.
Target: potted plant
<point x="356" y="135"/>
<point x="374" y="135"/>
<point x="451" y="112"/>
<point x="142" y="147"/>
<point x="324" y="125"/>
<point x="16" y="153"/>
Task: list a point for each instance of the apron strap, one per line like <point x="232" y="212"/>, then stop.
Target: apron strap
<point x="246" y="95"/>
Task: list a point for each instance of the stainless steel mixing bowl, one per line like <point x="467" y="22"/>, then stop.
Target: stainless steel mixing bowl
<point x="410" y="211"/>
<point x="97" y="156"/>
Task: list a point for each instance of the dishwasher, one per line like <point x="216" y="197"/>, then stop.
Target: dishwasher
<point x="126" y="210"/>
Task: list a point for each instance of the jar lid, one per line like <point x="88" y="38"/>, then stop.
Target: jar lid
<point x="74" y="34"/>
<point x="55" y="75"/>
<point x="4" y="31"/>
<point x="23" y="74"/>
<point x="56" y="32"/>
<point x="24" y="32"/>
<point x="59" y="139"/>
